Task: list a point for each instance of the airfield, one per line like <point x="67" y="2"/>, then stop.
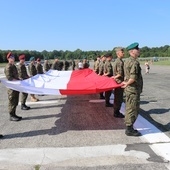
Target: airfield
<point x="79" y="133"/>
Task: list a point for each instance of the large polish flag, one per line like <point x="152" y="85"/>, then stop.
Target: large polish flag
<point x="54" y="82"/>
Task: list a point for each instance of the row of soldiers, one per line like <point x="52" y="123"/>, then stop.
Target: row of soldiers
<point x="13" y="73"/>
<point x="128" y="74"/>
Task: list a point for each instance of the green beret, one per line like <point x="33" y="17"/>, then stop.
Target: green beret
<point x="32" y="58"/>
<point x="133" y="46"/>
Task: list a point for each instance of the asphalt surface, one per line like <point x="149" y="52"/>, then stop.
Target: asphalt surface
<point x="79" y="133"/>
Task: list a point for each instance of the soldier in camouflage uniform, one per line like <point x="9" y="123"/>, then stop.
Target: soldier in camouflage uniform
<point x="32" y="71"/>
<point x="46" y="65"/>
<point x="56" y="64"/>
<point x="133" y="85"/>
<point x="39" y="67"/>
<point x="22" y="72"/>
<point x="101" y="72"/>
<point x="73" y="64"/>
<point x="118" y="71"/>
<point x="96" y="65"/>
<point x="13" y="96"/>
<point x="108" y="71"/>
<point x="85" y="63"/>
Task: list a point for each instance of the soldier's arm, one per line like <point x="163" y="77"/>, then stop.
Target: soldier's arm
<point x="130" y="81"/>
<point x="8" y="73"/>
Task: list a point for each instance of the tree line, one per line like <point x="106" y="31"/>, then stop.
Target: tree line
<point x="163" y="51"/>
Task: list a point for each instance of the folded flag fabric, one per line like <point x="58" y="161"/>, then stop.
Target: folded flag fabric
<point x="54" y="82"/>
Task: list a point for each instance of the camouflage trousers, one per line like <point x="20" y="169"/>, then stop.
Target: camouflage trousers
<point x="118" y="99"/>
<point x="24" y="98"/>
<point x="132" y="107"/>
<point x="13" y="99"/>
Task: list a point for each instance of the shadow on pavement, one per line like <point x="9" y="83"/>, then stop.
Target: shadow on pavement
<point x="147" y="115"/>
<point x="77" y="114"/>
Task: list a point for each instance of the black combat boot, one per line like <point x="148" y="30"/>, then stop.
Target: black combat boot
<point x="14" y="117"/>
<point x="130" y="131"/>
<point x="101" y="96"/>
<point x="24" y="107"/>
<point x="117" y="114"/>
<point x="1" y="136"/>
<point x="108" y="104"/>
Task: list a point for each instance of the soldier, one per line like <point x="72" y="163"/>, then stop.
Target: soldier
<point x="96" y="65"/>
<point x="73" y="64"/>
<point x="56" y="64"/>
<point x="66" y="65"/>
<point x="133" y="85"/>
<point x="32" y="70"/>
<point x="39" y="67"/>
<point x="108" y="71"/>
<point x="13" y="96"/>
<point x="22" y="72"/>
<point x="101" y="71"/>
<point x="85" y="63"/>
<point x="46" y="64"/>
<point x="118" y="72"/>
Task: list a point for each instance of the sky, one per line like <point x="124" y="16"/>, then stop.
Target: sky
<point x="83" y="24"/>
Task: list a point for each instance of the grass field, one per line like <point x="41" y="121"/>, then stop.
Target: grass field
<point x="161" y="62"/>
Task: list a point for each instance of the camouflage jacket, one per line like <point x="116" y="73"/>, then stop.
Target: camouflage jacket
<point x="32" y="69"/>
<point x="96" y="66"/>
<point x="22" y="71"/>
<point x="132" y="70"/>
<point x="11" y="72"/>
<point x="101" y="68"/>
<point x="118" y="68"/>
<point x="55" y="66"/>
<point x="46" y="66"/>
<point x="108" y="69"/>
<point x="39" y="68"/>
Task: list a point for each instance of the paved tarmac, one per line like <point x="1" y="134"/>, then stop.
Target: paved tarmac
<point x="79" y="133"/>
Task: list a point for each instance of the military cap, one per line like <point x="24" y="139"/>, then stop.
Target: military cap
<point x="32" y="58"/>
<point x="84" y="57"/>
<point x="9" y="55"/>
<point x="133" y="46"/>
<point x="55" y="57"/>
<point x="38" y="59"/>
<point x="108" y="55"/>
<point x="102" y="56"/>
<point x="22" y="57"/>
<point x="119" y="49"/>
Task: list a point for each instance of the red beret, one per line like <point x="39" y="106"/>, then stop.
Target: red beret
<point x="8" y="55"/>
<point x="38" y="59"/>
<point x="22" y="57"/>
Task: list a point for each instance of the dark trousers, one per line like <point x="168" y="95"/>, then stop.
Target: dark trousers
<point x="13" y="98"/>
<point x="118" y="99"/>
<point x="107" y="96"/>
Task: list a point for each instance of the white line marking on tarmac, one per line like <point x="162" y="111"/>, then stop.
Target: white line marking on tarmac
<point x="42" y="102"/>
<point x="70" y="156"/>
<point x="151" y="134"/>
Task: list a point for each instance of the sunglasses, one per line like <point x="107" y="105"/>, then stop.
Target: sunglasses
<point x="12" y="56"/>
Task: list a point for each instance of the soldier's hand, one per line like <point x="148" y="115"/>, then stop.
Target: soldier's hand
<point x="124" y="85"/>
